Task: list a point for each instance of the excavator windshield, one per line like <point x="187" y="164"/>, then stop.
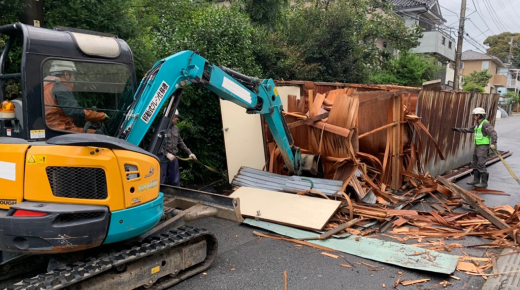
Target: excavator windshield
<point x="85" y="97"/>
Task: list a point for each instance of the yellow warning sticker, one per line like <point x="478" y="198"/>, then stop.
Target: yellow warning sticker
<point x="37" y="134"/>
<point x="37" y="159"/>
<point x="156" y="269"/>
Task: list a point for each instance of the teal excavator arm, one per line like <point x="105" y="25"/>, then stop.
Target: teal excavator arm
<point x="166" y="81"/>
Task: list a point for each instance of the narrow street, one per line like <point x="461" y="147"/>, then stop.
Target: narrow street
<point x="248" y="262"/>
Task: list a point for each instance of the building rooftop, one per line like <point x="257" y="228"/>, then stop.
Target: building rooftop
<point x="429" y="6"/>
<point x="474" y="55"/>
<point x="412" y="3"/>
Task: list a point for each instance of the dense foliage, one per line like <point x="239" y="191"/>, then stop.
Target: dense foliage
<point x="476" y="80"/>
<point x="500" y="45"/>
<point x="225" y="37"/>
<point x="408" y="69"/>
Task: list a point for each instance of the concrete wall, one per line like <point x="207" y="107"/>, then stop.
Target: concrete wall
<point x="432" y="43"/>
<point x="498" y="80"/>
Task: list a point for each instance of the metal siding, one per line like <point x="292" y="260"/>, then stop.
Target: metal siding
<point x="439" y="112"/>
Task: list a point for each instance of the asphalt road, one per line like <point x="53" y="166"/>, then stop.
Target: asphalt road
<point x="248" y="262"/>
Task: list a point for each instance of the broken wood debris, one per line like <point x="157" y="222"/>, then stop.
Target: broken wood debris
<point x="329" y="255"/>
<point x="378" y="161"/>
<point x="412" y="282"/>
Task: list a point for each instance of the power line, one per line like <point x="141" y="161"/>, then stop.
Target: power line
<point x="480" y="14"/>
<point x="509" y="15"/>
<point x="470" y="41"/>
<point x="513" y="6"/>
<point x="476" y="42"/>
<point x="450" y="10"/>
<point x="494" y="16"/>
<point x="476" y="26"/>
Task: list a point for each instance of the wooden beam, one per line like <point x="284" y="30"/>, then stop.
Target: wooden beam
<point x="478" y="205"/>
<point x="332" y="128"/>
<point x="396" y="146"/>
<point x="295" y="115"/>
<point x="308" y="120"/>
<point x="377" y="130"/>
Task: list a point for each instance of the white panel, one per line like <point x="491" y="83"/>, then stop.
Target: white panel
<point x="8" y="170"/>
<point x="285" y="208"/>
<point x="284" y="91"/>
<point x="243" y="138"/>
<point x="237" y="90"/>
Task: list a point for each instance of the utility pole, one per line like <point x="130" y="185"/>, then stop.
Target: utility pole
<point x="510" y="51"/>
<point x="458" y="53"/>
<point x="32" y="12"/>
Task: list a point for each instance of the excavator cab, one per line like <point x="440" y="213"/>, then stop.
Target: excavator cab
<point x="74" y="198"/>
<point x="47" y="163"/>
<point x="63" y="77"/>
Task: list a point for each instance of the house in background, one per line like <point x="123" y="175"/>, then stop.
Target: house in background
<point x="435" y="41"/>
<point x="475" y="61"/>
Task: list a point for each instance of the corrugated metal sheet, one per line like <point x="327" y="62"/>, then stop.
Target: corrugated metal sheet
<point x="440" y="111"/>
<point x="392" y="253"/>
<point x="264" y="180"/>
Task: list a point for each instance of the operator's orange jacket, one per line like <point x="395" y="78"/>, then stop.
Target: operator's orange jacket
<point x="56" y="118"/>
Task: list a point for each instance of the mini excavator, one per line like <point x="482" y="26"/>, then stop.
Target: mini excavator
<point x="89" y="208"/>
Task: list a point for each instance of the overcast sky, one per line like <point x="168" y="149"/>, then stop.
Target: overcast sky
<point x="483" y="18"/>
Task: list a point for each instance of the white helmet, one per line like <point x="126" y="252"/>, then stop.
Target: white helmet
<point x="61" y="66"/>
<point x="177" y="113"/>
<point x="479" y="111"/>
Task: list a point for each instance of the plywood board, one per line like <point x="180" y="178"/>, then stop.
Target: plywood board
<point x="243" y="138"/>
<point x="285" y="208"/>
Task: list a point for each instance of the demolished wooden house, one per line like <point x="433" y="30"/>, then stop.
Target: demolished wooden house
<point x="384" y="145"/>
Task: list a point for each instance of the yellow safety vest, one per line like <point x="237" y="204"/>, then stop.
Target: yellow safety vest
<point x="479" y="138"/>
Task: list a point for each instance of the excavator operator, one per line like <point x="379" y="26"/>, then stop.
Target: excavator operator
<point x="61" y="108"/>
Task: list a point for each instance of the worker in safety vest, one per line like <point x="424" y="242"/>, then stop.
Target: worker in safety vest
<point x="61" y="108"/>
<point x="485" y="138"/>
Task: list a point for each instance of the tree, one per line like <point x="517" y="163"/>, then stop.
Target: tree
<point x="117" y="17"/>
<point x="10" y="12"/>
<point x="499" y="46"/>
<point x="224" y="36"/>
<point x="477" y="79"/>
<point x="338" y="38"/>
<point x="268" y="13"/>
<point x="409" y="69"/>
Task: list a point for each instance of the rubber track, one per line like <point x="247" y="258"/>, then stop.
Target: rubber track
<point x="82" y="270"/>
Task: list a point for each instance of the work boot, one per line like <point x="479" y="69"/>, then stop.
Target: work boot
<point x="484" y="181"/>
<point x="476" y="177"/>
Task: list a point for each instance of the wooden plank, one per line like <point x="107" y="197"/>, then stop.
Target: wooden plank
<point x="406" y="283"/>
<point x="308" y="120"/>
<point x="396" y="143"/>
<point x="478" y="205"/>
<point x="332" y="128"/>
<point x="317" y="104"/>
<point x="295" y="210"/>
<point x="466" y="267"/>
<point x="377" y="130"/>
<point x="399" y="212"/>
<point x="330" y="255"/>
